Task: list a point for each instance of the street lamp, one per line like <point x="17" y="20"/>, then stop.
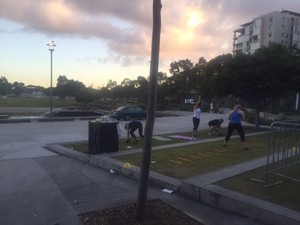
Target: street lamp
<point x="51" y="46"/>
<point x="187" y="87"/>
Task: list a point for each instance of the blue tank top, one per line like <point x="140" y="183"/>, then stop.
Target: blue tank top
<point x="235" y="117"/>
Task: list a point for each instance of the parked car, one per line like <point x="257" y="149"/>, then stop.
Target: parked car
<point x="128" y="112"/>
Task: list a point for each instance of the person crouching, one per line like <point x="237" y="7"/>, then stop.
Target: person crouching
<point x="131" y="127"/>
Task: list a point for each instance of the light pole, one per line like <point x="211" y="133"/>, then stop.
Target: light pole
<point x="187" y="87"/>
<point x="51" y="46"/>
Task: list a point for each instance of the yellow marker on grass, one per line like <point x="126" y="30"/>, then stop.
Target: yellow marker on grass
<point x="127" y="165"/>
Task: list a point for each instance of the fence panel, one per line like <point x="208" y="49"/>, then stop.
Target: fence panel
<point x="283" y="151"/>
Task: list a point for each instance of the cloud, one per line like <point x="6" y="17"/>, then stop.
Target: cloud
<point x="190" y="28"/>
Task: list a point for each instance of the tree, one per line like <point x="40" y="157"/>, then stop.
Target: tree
<point x="111" y="84"/>
<point x="84" y="96"/>
<point x="5" y="87"/>
<point x="17" y="88"/>
<point x="215" y="68"/>
<point x="142" y="87"/>
<point x="67" y="87"/>
<point x="181" y="67"/>
<point x="260" y="78"/>
<point x="61" y="80"/>
<point x="152" y="98"/>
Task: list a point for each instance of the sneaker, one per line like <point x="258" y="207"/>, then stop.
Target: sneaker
<point x="194" y="137"/>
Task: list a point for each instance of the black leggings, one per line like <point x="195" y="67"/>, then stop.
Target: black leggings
<point x="239" y="129"/>
<point x="140" y="128"/>
<point x="196" y="123"/>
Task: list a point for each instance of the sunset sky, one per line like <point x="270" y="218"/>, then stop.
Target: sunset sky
<point x="102" y="40"/>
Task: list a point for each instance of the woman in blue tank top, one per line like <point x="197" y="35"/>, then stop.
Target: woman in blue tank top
<point x="235" y="118"/>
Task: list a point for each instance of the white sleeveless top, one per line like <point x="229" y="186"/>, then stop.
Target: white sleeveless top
<point x="197" y="112"/>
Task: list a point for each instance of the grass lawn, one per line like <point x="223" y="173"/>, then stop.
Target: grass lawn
<point x="35" y="102"/>
<point x="84" y="148"/>
<point x="285" y="193"/>
<point x="192" y="160"/>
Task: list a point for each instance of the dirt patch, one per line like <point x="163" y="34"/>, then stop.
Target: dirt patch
<point x="157" y="213"/>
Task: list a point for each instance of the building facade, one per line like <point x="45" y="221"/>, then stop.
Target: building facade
<point x="275" y="27"/>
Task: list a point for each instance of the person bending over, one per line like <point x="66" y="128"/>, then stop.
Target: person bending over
<point x="131" y="127"/>
<point x="215" y="126"/>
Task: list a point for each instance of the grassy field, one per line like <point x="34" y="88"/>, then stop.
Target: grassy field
<point x="252" y="183"/>
<point x="35" y="102"/>
<point x="83" y="146"/>
<point x="192" y="160"/>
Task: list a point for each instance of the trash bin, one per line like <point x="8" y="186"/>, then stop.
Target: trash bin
<point x="103" y="136"/>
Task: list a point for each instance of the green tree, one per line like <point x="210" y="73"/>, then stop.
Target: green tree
<point x="17" y="88"/>
<point x="69" y="88"/>
<point x="180" y="81"/>
<point x="260" y="78"/>
<point x="5" y="87"/>
<point x="142" y="88"/>
<point x="111" y="84"/>
<point x="84" y="96"/>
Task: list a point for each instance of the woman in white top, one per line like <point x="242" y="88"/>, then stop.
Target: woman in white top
<point x="196" y="116"/>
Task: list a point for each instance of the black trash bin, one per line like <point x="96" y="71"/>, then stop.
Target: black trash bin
<point x="103" y="137"/>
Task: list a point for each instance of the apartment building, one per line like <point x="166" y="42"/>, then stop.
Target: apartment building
<point x="275" y="27"/>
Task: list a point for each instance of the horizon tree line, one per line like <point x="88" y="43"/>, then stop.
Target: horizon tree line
<point x="262" y="81"/>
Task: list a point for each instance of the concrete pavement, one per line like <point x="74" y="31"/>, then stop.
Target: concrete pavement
<point x="53" y="190"/>
<point x="42" y="187"/>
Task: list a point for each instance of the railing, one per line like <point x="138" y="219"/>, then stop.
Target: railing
<point x="283" y="151"/>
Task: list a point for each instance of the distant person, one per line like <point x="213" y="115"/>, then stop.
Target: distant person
<point x="215" y="126"/>
<point x="131" y="127"/>
<point x="196" y="116"/>
<point x="236" y="116"/>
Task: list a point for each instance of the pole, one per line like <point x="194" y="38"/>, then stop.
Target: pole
<point x="51" y="89"/>
<point x="297" y="101"/>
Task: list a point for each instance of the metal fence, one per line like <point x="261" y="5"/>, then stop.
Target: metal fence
<point x="283" y="151"/>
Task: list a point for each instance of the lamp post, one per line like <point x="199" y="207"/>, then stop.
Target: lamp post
<point x="51" y="46"/>
<point x="187" y="87"/>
